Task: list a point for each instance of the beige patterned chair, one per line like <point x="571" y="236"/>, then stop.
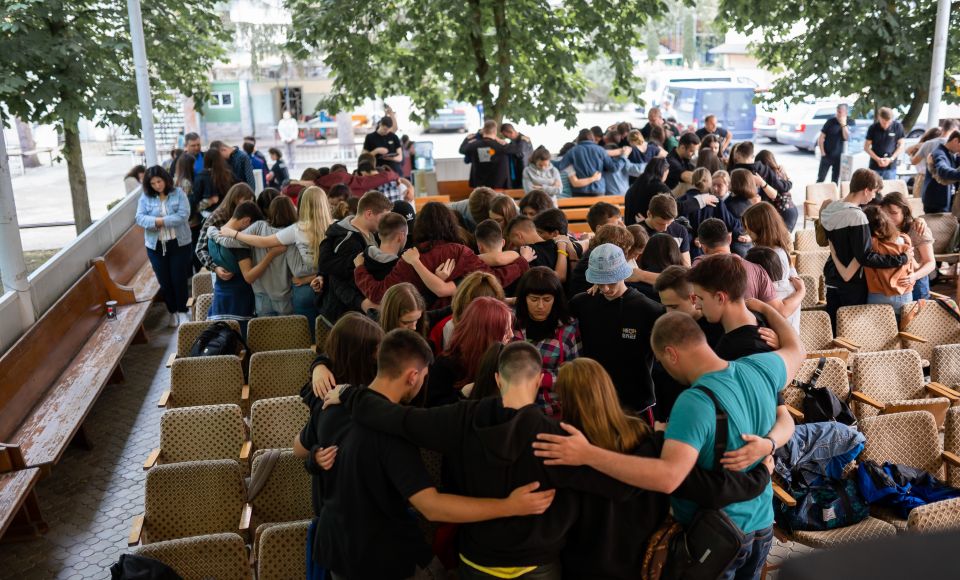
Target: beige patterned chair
<point x="816" y="334"/>
<point x="201" y="283"/>
<point x="833" y="377"/>
<point x="811" y="263"/>
<point x="279" y="373"/>
<point x="321" y="332"/>
<point x="190" y="499"/>
<point x="201" y="307"/>
<point x="806" y="240"/>
<point x="944" y="228"/>
<point x="872" y="328"/>
<point x="951" y="443"/>
<point x="812" y="298"/>
<point x="278" y="333"/>
<point x="934" y="324"/>
<point x="199" y="433"/>
<point x="282" y="553"/>
<point x="942" y="516"/>
<point x="187" y="334"/>
<point x="275" y="422"/>
<point x="815" y="195"/>
<point x="892" y="382"/>
<point x="908" y="438"/>
<point x="945" y="365"/>
<point x="218" y="556"/>
<point x="285" y="497"/>
<point x="207" y="380"/>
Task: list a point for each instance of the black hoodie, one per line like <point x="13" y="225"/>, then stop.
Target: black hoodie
<point x="488" y="452"/>
<point x="340" y="294"/>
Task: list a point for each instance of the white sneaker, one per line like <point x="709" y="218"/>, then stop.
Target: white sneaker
<point x="174" y="320"/>
<point x="184" y="317"/>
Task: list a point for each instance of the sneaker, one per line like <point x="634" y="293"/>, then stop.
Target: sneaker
<point x="184" y="317"/>
<point x="174" y="320"/>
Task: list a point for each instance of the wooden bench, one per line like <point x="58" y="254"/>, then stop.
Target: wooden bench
<point x="19" y="509"/>
<point x="456" y="190"/>
<point x="419" y="202"/>
<point x="576" y="209"/>
<point x="55" y="372"/>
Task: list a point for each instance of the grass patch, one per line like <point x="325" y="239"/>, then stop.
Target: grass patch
<point x="36" y="258"/>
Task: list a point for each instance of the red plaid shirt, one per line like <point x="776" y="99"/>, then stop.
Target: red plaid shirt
<point x="563" y="346"/>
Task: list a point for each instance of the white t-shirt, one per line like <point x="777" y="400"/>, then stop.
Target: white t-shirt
<point x="292" y="234"/>
<point x="785" y="289"/>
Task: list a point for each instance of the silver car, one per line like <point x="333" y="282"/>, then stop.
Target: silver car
<point x="801" y="127"/>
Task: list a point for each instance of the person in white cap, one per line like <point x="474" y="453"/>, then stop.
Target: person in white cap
<point x="615" y="325"/>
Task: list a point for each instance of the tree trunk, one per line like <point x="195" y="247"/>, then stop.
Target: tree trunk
<point x="480" y="62"/>
<point x="504" y="74"/>
<point x="25" y="134"/>
<point x="919" y="100"/>
<point x="77" y="176"/>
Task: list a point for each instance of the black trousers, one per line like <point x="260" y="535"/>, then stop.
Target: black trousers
<point x="832" y="164"/>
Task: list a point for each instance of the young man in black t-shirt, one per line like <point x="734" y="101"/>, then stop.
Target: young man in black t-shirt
<point x="385" y="145"/>
<point x="884" y="144"/>
<point x="489" y="158"/>
<point x="364" y="527"/>
<point x="835" y="132"/>
<point x="710" y="127"/>
<point x="680" y="160"/>
<point x="554" y="254"/>
<point x="661" y="216"/>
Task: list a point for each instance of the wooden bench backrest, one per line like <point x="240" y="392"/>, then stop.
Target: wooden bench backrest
<point x="419" y="202"/>
<point x="127" y="256"/>
<point x="587" y="202"/>
<point x="35" y="361"/>
<point x="457" y="190"/>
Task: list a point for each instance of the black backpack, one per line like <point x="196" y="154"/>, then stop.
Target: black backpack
<point x="821" y="405"/>
<point x="219" y="339"/>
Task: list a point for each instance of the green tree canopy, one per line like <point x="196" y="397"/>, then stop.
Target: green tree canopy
<point x="519" y="58"/>
<point x="879" y="50"/>
<point x="71" y="59"/>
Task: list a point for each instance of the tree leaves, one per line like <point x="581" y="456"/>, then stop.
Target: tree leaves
<point x="528" y="52"/>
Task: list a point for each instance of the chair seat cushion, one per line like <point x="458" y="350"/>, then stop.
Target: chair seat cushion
<point x="869" y="529"/>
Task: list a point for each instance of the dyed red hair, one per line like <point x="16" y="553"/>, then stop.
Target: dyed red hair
<point x="485" y="322"/>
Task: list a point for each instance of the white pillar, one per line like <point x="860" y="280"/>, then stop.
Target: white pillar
<point x="938" y="62"/>
<point x="12" y="267"/>
<point x="143" y="81"/>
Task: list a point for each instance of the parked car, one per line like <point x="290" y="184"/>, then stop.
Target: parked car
<point x="732" y="103"/>
<point x="453" y="117"/>
<point x="801" y="127"/>
<point x="765" y="124"/>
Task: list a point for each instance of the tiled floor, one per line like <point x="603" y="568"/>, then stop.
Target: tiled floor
<point x="91" y="496"/>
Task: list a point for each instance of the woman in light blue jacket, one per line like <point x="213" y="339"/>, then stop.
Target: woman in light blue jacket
<point x="164" y="213"/>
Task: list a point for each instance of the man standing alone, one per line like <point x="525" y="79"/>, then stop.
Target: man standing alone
<point x="833" y="135"/>
<point x="884" y="144"/>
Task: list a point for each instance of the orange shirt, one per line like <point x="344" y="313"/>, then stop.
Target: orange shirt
<point x="886" y="281"/>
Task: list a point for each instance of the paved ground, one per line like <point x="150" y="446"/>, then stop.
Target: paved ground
<point x="91" y="496"/>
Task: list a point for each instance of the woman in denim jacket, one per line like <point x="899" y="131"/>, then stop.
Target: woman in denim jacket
<point x="163" y="213"/>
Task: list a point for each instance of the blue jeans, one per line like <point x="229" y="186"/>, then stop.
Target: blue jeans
<point x="304" y="302"/>
<point x="888" y="172"/>
<point x="752" y="557"/>
<point x="172" y="269"/>
<point x="896" y="302"/>
<point x="921" y="288"/>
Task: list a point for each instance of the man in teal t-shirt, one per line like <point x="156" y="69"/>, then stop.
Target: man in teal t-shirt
<point x="747" y="389"/>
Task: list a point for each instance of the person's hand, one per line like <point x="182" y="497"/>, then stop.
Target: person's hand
<point x="756" y="449"/>
<point x="445" y="269"/>
<point x="797" y="283"/>
<point x="158" y="223"/>
<point x="411" y="256"/>
<point x="332" y="397"/>
<point x="325" y="456"/>
<point x="322" y="380"/>
<point x="561" y="450"/>
<point x="467" y="390"/>
<point x="744" y="239"/>
<point x="758" y="181"/>
<point x="379" y="151"/>
<point x="213" y="200"/>
<point x="919" y="226"/>
<point x="358" y="260"/>
<point x="317" y="284"/>
<point x="270" y="176"/>
<point x="907" y="281"/>
<point x="770" y="337"/>
<point x="768" y="463"/>
<point x="527" y="253"/>
<point x="228" y="232"/>
<point x="592" y="291"/>
<point x="710" y="199"/>
<point x="596" y="177"/>
<point x="758" y="306"/>
<point x="223" y="273"/>
<point x="639" y="217"/>
<point x="368" y="304"/>
<point x="527" y="501"/>
<point x="625" y="151"/>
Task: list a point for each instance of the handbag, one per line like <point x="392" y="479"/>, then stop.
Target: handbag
<point x="821" y="405"/>
<point x="711" y="542"/>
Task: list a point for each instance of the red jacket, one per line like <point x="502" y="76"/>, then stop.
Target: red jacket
<point x="358" y="184"/>
<point x="432" y="255"/>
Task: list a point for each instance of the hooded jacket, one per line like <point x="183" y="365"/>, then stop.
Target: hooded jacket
<point x="847" y="229"/>
<point x="941" y="182"/>
<point x="340" y="295"/>
<point x="358" y="184"/>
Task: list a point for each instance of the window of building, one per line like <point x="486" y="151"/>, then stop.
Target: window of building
<point x="221" y="100"/>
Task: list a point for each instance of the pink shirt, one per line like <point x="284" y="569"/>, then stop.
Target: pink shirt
<point x="759" y="285"/>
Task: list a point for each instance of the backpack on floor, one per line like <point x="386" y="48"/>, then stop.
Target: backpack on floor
<point x="219" y="339"/>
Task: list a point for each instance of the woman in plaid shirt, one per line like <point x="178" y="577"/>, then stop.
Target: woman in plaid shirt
<point x="544" y="320"/>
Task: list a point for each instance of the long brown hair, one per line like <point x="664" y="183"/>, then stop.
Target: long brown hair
<point x="352" y="347"/>
<point x="220" y="173"/>
<point x="473" y="286"/>
<point x="742" y="184"/>
<point x="236" y="195"/>
<point x="766" y="227"/>
<point x="896" y="199"/>
<point x="399" y="300"/>
<point x="590" y="404"/>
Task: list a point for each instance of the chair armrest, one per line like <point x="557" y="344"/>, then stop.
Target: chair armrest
<point x="171" y="358"/>
<point x="782" y="495"/>
<point x="164" y="398"/>
<point x="245" y="393"/>
<point x="951" y="458"/>
<point x="190" y="302"/>
<point x="245" y="450"/>
<point x="860" y="397"/>
<point x="939" y="295"/>
<point x="151" y="459"/>
<point x="136" y="530"/>
<point x="795" y="413"/>
<point x="845" y="343"/>
<point x="940" y="390"/>
<point x="911" y="337"/>
<point x="245" y="516"/>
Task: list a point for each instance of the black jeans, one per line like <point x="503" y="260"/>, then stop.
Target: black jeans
<point x="172" y="269"/>
<point x="832" y="164"/>
<point x="845" y="295"/>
